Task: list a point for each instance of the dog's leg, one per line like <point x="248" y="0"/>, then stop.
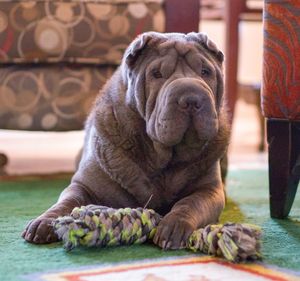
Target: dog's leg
<point x="198" y="209"/>
<point x="40" y="230"/>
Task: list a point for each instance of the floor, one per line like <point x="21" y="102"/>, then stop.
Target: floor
<point x="45" y="153"/>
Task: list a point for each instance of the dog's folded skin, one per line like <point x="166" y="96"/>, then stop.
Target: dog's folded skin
<point x="155" y="137"/>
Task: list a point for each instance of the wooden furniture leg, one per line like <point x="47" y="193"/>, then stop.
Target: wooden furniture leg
<point x="233" y="9"/>
<point x="284" y="164"/>
<point x="3" y="163"/>
<point x="261" y="146"/>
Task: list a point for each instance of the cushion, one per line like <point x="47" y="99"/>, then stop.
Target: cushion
<point x="53" y="97"/>
<point x="89" y="31"/>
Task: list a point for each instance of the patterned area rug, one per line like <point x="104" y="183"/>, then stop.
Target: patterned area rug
<point x="21" y="200"/>
<point x="185" y="269"/>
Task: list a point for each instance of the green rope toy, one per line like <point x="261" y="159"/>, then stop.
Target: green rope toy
<point x="101" y="226"/>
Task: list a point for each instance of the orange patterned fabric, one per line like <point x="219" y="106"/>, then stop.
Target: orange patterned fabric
<point x="281" y="64"/>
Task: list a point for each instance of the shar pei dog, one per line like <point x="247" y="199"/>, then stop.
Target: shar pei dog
<point x="154" y="138"/>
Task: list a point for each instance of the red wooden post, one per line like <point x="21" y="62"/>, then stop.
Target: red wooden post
<point x="233" y="9"/>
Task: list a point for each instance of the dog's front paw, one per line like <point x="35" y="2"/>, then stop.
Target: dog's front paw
<point x="173" y="232"/>
<point x="40" y="231"/>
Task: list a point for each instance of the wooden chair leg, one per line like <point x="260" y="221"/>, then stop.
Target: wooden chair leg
<point x="284" y="173"/>
<point x="3" y="163"/>
<point x="262" y="126"/>
<point x="233" y="9"/>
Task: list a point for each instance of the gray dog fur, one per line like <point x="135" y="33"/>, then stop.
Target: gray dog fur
<point x="155" y="136"/>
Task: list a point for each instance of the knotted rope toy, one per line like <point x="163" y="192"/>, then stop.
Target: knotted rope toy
<point x="101" y="226"/>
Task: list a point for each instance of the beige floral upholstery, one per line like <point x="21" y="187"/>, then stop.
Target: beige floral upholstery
<point x="55" y="55"/>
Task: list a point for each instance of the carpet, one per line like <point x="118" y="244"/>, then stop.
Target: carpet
<point x="22" y="200"/>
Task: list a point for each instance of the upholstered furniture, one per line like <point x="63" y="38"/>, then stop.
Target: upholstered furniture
<point x="281" y="101"/>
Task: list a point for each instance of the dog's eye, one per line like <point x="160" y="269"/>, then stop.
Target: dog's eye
<point x="156" y="74"/>
<point x="205" y="72"/>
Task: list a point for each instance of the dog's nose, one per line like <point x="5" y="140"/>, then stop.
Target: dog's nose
<point x="189" y="102"/>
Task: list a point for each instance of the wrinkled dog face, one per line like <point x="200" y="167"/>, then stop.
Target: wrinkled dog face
<point x="175" y="83"/>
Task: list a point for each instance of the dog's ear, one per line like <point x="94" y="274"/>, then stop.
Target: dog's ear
<point x="136" y="47"/>
<point x="204" y="41"/>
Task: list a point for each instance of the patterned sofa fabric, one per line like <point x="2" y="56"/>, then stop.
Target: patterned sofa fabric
<point x="51" y="97"/>
<point x="55" y="55"/>
<point x="281" y="77"/>
<point x="90" y="31"/>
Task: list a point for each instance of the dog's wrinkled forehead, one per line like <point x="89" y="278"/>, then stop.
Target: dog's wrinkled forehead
<point x="208" y="44"/>
<point x="181" y="42"/>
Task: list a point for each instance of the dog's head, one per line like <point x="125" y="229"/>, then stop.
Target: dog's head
<point x="175" y="82"/>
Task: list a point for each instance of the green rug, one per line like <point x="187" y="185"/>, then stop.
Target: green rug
<point x="21" y="201"/>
